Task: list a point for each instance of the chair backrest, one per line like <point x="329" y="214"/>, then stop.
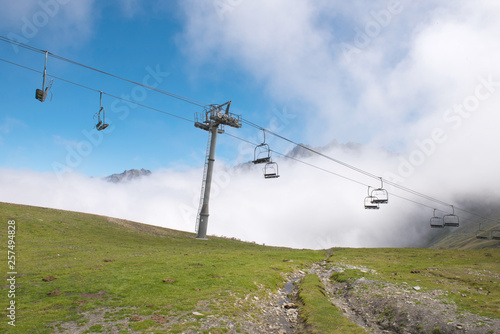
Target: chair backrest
<point x="437" y="222"/>
<point x="370" y="204"/>
<point x="451" y="220"/>
<point x="380" y="196"/>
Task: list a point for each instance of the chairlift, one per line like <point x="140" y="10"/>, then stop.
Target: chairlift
<point x="370" y="202"/>
<point x="41" y="94"/>
<point x="436" y="222"/>
<point x="262" y="152"/>
<point x="380" y="195"/>
<point x="495" y="234"/>
<point x="101" y="123"/>
<point x="271" y="170"/>
<point x="451" y="219"/>
<point x="481" y="234"/>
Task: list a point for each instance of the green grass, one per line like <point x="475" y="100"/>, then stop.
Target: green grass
<point x="117" y="268"/>
<point x="318" y="313"/>
<point x="347" y="275"/>
<point x="470" y="278"/>
<point x="73" y="248"/>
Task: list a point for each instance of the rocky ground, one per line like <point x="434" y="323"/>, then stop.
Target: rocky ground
<point x="382" y="307"/>
<point x="378" y="307"/>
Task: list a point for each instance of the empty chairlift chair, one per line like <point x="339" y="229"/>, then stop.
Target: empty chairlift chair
<point x="380" y="195"/>
<point x="262" y="153"/>
<point x="370" y="202"/>
<point x="271" y="170"/>
<point x="41" y="94"/>
<point x="451" y="219"/>
<point x="495" y="234"/>
<point x="436" y="222"/>
<point x="101" y="117"/>
<point x="481" y="234"/>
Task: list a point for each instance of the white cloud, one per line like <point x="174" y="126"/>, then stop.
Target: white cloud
<point x="53" y="23"/>
<point x="305" y="207"/>
<point x="295" y="48"/>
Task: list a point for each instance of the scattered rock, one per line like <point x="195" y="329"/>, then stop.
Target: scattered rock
<point x="415" y="271"/>
<point x="198" y="314"/>
<point x="417" y="288"/>
<point x="109" y="260"/>
<point x="54" y="293"/>
<point x="48" y="279"/>
<point x="168" y="280"/>
<point x="289" y="305"/>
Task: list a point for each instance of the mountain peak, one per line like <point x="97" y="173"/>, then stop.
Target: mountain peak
<point x="128" y="175"/>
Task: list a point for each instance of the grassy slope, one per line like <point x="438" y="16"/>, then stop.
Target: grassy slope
<point x="72" y="247"/>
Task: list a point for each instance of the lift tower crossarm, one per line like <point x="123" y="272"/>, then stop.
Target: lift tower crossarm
<point x="210" y="121"/>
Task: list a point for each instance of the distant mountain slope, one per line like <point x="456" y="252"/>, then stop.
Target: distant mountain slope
<point x="128" y="175"/>
<point x="464" y="237"/>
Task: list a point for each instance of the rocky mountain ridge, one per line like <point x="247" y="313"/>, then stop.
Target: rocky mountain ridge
<point x="128" y="175"/>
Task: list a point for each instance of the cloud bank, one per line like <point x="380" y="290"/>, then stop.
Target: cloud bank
<point x="418" y="84"/>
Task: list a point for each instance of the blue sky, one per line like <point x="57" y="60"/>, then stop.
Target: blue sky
<point x="133" y="45"/>
<point x="415" y="85"/>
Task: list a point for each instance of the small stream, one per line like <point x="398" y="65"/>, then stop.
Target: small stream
<point x="287" y="294"/>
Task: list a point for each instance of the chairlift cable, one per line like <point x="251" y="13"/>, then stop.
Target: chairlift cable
<point x="16" y="43"/>
<point x="251" y="143"/>
<point x="176" y="96"/>
<point x="336" y="174"/>
<point x="359" y="170"/>
<point x="273" y="133"/>
<point x="200" y="104"/>
<point x="173" y="95"/>
<point x="97" y="90"/>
